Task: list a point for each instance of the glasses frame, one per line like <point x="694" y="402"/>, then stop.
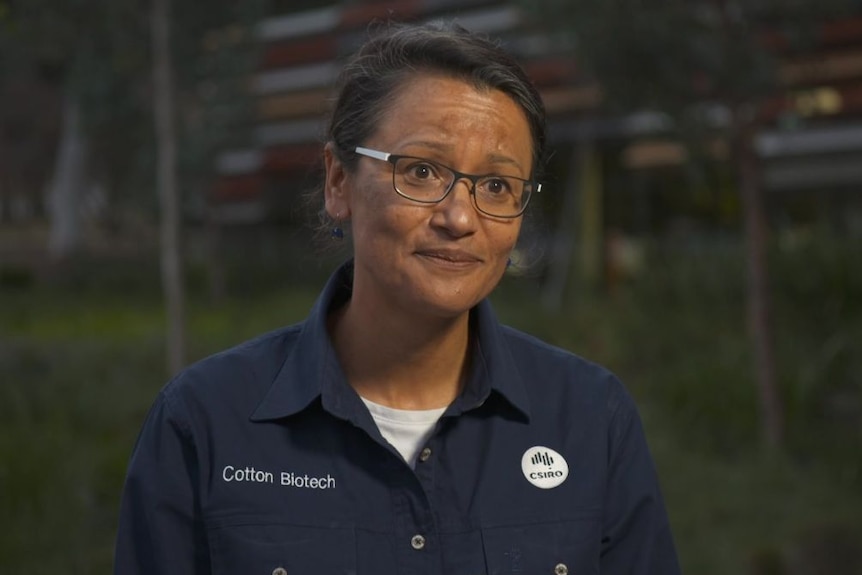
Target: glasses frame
<point x="473" y="179"/>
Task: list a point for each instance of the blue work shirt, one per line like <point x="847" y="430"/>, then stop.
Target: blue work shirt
<point x="262" y="460"/>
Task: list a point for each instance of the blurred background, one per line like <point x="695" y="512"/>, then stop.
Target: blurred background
<point x="699" y="232"/>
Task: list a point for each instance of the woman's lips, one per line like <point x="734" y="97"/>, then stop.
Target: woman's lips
<point x="453" y="257"/>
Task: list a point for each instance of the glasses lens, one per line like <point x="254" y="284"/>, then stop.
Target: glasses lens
<point x="502" y="196"/>
<point x="428" y="182"/>
<point x="421" y="180"/>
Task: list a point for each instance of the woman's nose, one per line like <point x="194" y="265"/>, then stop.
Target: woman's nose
<point x="456" y="213"/>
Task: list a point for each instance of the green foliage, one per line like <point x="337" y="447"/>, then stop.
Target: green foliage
<point x="15" y="277"/>
<point x="695" y="351"/>
<point x="64" y="441"/>
<point x="694" y="346"/>
<point x="819" y="303"/>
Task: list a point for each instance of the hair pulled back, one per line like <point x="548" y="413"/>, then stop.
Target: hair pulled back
<point x="395" y="53"/>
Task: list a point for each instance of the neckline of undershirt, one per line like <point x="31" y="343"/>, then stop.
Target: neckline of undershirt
<point x="417" y="417"/>
<point x="406" y="430"/>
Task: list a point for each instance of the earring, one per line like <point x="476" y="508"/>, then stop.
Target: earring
<point x="337" y="233"/>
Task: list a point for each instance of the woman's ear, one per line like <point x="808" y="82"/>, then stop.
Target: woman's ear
<point x="335" y="192"/>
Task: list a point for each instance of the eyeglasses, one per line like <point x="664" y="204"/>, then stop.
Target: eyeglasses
<point x="429" y="182"/>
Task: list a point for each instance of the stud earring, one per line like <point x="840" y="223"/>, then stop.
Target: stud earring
<point x="337" y="233"/>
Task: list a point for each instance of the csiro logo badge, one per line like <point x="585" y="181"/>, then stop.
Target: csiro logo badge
<point x="544" y="467"/>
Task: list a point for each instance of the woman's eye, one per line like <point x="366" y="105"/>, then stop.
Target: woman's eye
<point x="497" y="186"/>
<point x="422" y="171"/>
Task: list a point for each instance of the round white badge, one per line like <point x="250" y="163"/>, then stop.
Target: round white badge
<point x="544" y="467"/>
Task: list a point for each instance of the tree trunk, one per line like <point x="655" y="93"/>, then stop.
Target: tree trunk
<point x="171" y="260"/>
<point x="215" y="256"/>
<point x="758" y="294"/>
<point x="565" y="242"/>
<point x="66" y="188"/>
<point x="579" y="236"/>
<point x="592" y="216"/>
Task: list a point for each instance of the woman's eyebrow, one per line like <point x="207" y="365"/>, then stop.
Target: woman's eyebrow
<point x="506" y="160"/>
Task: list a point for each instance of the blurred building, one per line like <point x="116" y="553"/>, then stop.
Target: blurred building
<point x="301" y="56"/>
<point x="626" y="172"/>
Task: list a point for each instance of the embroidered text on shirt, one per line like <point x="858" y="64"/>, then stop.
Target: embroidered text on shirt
<point x="286" y="478"/>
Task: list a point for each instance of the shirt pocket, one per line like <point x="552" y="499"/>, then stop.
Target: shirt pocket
<point x="569" y="547"/>
<point x="277" y="549"/>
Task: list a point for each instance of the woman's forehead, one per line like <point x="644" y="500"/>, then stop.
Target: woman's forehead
<point x="436" y="112"/>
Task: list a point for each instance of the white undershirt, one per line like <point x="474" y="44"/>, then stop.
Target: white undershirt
<point x="407" y="430"/>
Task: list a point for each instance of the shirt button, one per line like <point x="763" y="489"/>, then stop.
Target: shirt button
<point x="279" y="571"/>
<point x="417" y="542"/>
<point x="425" y="454"/>
<point x="561" y="569"/>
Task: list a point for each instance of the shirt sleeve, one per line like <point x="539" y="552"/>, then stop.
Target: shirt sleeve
<point x="160" y="531"/>
<point x="636" y="537"/>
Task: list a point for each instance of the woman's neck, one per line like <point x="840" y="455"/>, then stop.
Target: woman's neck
<point x="399" y="361"/>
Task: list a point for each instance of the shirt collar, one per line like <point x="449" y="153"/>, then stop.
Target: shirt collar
<point x="312" y="372"/>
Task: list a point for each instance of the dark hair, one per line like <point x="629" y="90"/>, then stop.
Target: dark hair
<point x="372" y="77"/>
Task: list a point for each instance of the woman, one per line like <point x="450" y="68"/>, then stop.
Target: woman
<point x="400" y="428"/>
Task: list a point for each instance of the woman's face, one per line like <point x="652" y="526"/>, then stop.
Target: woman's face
<point x="431" y="259"/>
